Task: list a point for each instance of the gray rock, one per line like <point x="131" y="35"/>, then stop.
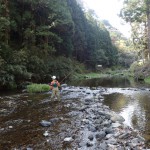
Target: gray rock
<point x="103" y="146"/>
<point x="107" y="116"/>
<point x="102" y="113"/>
<point x="89" y="144"/>
<point x="85" y="121"/>
<point x="46" y="133"/>
<point x="98" y="127"/>
<point x="88" y="100"/>
<point x="115" y="125"/>
<point x="91" y="128"/>
<point x="98" y="121"/>
<point x="99" y="136"/>
<point x="118" y="118"/>
<point x="68" y="139"/>
<point x="109" y="130"/>
<point x="124" y="136"/>
<point x="112" y="141"/>
<point x="83" y="108"/>
<point x="63" y="85"/>
<point x="106" y="123"/>
<point x="54" y="120"/>
<point x="91" y="137"/>
<point x="140" y="138"/>
<point x="45" y="123"/>
<point x="108" y="136"/>
<point x="120" y="148"/>
<point x="29" y="148"/>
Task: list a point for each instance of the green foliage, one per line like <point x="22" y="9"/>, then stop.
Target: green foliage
<point x="36" y="88"/>
<point x="136" y="13"/>
<point x="92" y="75"/>
<point x="147" y="80"/>
<point x="62" y="66"/>
<point x="50" y="37"/>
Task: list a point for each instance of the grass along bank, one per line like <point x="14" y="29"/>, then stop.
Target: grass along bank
<point x="147" y="80"/>
<point x="104" y="73"/>
<point x="38" y="88"/>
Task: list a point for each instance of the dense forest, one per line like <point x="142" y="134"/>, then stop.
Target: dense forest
<point x="39" y="38"/>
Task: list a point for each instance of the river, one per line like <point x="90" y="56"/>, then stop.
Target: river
<point x="129" y="98"/>
<point x="21" y="113"/>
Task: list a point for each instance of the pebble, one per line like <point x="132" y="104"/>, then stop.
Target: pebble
<point x="101" y="128"/>
<point x="68" y="139"/>
<point x="45" y="123"/>
<point x="46" y="133"/>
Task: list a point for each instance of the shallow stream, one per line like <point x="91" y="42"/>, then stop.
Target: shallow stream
<point x="21" y="113"/>
<point x="129" y="98"/>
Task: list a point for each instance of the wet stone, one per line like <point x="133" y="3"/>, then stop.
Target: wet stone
<point x="46" y="133"/>
<point x="86" y="127"/>
<point x="112" y="141"/>
<point x="91" y="128"/>
<point x="54" y="120"/>
<point x="45" y="123"/>
<point x="98" y="127"/>
<point x="109" y="136"/>
<point x="89" y="144"/>
<point x="109" y="130"/>
<point x="88" y="100"/>
<point x="124" y="136"/>
<point x="83" y="108"/>
<point x="29" y="149"/>
<point x="99" y="136"/>
<point x="98" y="121"/>
<point x="116" y="125"/>
<point x="68" y="139"/>
<point x="106" y="123"/>
<point x="103" y="146"/>
<point x="91" y="137"/>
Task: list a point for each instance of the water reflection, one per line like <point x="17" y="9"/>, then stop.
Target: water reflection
<point x="109" y="82"/>
<point x="127" y="97"/>
<point x="133" y="107"/>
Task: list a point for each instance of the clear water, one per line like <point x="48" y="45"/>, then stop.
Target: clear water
<point x="134" y="106"/>
<point x="128" y="98"/>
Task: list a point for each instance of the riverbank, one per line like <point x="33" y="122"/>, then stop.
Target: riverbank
<point x="104" y="73"/>
<point x="80" y="121"/>
<point x="101" y="128"/>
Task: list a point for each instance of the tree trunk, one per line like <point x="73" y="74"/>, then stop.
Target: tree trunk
<point x="6" y="14"/>
<point x="148" y="24"/>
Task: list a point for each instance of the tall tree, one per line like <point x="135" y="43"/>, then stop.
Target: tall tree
<point x="148" y="24"/>
<point x="40" y="37"/>
<point x="136" y="12"/>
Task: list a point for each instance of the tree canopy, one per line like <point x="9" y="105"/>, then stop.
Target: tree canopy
<point x="39" y="38"/>
<point x="137" y="13"/>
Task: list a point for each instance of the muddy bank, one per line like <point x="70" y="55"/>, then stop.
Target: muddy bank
<point x="80" y="121"/>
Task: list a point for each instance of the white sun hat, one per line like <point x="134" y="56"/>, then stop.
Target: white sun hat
<point x="53" y="77"/>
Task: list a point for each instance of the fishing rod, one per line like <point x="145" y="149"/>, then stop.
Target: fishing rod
<point x="66" y="77"/>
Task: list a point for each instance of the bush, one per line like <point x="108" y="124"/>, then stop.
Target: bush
<point x="36" y="88"/>
<point x="147" y="80"/>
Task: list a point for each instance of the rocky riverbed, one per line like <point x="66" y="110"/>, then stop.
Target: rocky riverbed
<point x="79" y="122"/>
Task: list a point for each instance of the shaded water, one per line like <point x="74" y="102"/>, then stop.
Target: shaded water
<point x="20" y="117"/>
<point x="110" y="82"/>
